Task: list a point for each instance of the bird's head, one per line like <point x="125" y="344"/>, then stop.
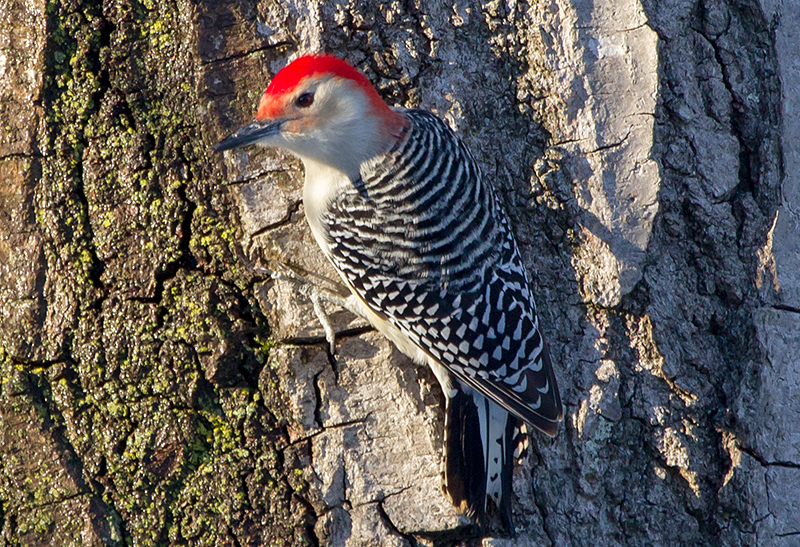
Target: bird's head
<point x="324" y="111"/>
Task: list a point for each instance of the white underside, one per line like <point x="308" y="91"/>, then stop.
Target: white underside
<point x="322" y="183"/>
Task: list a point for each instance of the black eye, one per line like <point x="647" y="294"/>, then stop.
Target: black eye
<point x="305" y="100"/>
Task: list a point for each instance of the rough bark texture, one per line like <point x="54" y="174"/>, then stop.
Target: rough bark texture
<point x="158" y="388"/>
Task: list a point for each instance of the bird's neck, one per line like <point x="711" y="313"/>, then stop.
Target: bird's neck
<point x="330" y="174"/>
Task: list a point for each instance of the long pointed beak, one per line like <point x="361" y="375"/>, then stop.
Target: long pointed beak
<point x="248" y="134"/>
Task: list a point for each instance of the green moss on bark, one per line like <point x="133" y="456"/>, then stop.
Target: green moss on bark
<point x="139" y="385"/>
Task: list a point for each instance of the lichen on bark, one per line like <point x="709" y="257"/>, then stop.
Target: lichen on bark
<point x="132" y="351"/>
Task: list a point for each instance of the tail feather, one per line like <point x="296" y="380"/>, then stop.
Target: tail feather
<point x="520" y="441"/>
<point x="480" y="444"/>
<point x="464" y="471"/>
<point x="511" y="443"/>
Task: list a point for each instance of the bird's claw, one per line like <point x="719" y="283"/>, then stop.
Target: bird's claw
<point x="330" y="334"/>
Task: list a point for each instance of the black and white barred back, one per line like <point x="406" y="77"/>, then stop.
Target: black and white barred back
<point x="424" y="242"/>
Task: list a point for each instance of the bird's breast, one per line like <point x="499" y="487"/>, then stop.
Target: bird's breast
<point x="322" y="185"/>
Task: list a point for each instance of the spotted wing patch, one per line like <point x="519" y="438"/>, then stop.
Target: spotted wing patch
<point x="488" y="336"/>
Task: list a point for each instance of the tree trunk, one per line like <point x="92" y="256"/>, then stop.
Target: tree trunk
<point x="160" y="387"/>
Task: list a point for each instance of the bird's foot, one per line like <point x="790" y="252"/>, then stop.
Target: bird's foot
<point x="317" y="295"/>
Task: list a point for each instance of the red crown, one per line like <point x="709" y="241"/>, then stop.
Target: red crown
<point x="286" y="80"/>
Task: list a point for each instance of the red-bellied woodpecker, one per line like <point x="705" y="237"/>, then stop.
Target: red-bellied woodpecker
<point x="397" y="203"/>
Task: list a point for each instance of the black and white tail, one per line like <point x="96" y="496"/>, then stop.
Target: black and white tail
<point x="481" y="442"/>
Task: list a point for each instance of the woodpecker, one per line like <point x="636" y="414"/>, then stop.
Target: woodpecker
<point x="398" y="205"/>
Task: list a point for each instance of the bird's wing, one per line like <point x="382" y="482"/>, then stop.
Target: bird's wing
<point x="488" y="338"/>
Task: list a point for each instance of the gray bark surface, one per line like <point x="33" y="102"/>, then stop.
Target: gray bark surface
<point x="159" y="387"/>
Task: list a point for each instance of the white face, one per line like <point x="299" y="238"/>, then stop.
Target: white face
<point x="327" y="120"/>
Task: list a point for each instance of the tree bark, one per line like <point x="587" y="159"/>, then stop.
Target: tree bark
<point x="159" y="387"/>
